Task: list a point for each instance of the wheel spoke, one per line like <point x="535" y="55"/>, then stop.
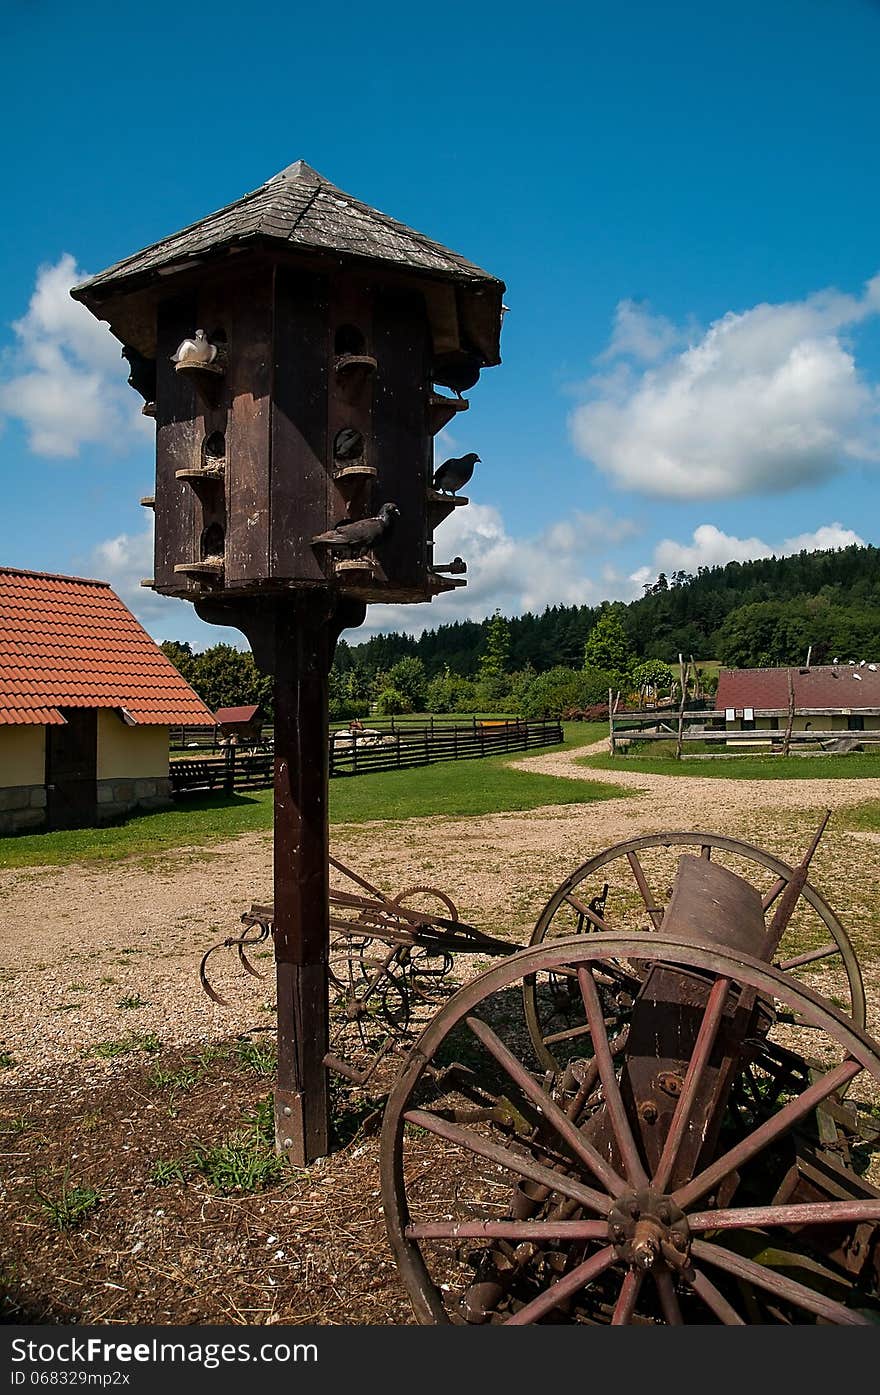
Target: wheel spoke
<point x="798" y="1213"/>
<point x="655" y="912"/>
<point x="563" y="1288"/>
<point x="787" y="1289"/>
<point x="627" y="1298"/>
<point x="587" y="912"/>
<point x="699" y="1059"/>
<point x="514" y="1231"/>
<point x="668" y="1298"/>
<point x="623" y="1134"/>
<point x="774" y="893"/>
<point x="706" y="852"/>
<point x="767" y="1132"/>
<point x="513" y="1162"/>
<point x="810" y="957"/>
<point x="571" y="1136"/>
<point x="714" y="1299"/>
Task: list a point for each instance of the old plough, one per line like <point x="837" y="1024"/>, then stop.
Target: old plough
<point x="649" y="1115"/>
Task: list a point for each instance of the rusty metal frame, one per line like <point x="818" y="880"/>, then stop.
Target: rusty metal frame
<point x="649" y="1238"/>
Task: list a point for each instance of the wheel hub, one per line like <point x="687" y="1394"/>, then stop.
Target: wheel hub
<point x="648" y="1231"/>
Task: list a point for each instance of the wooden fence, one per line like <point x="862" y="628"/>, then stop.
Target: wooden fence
<point x="398" y="749"/>
<point x="690" y="726"/>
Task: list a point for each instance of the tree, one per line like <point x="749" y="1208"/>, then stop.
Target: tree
<point x="608" y="645"/>
<point x="653" y="673"/>
<point x="493" y="660"/>
<point x="181" y="655"/>
<point x="408" y="678"/>
<point x="224" y="676"/>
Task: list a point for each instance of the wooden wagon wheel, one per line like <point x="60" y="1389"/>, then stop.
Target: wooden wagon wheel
<point x="501" y="1209"/>
<point x="622" y="889"/>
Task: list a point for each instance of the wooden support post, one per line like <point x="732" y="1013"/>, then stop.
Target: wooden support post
<point x="683" y="676"/>
<point x="786" y="744"/>
<point x="303" y="652"/>
<point x="611" y="723"/>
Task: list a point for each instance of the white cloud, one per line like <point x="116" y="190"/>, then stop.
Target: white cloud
<point x="710" y="547"/>
<point x="127" y="559"/>
<point x="64" y="378"/>
<point x="512" y="574"/>
<point x="638" y="333"/>
<point x="763" y="401"/>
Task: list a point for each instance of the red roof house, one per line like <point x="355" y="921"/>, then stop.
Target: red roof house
<point x="828" y="688"/>
<point x="86" y="700"/>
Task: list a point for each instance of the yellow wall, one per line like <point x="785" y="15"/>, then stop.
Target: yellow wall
<point x="130" y="753"/>
<point x="22" y="756"/>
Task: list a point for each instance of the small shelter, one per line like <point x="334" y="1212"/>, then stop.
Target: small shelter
<point x="243" y="726"/>
<point x="86" y="700"/>
<point x="824" y="697"/>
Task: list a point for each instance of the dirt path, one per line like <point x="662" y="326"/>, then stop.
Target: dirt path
<point x="104" y="957"/>
<point x="98" y="953"/>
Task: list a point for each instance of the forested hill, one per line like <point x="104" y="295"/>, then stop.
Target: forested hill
<point x="744" y="613"/>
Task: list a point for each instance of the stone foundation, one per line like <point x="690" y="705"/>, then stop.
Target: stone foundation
<point x="118" y="797"/>
<point x="22" y="807"/>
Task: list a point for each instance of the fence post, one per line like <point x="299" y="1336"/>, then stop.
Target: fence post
<point x="398" y="749"/>
<point x="611" y="724"/>
<point x="354" y="753"/>
<point x="427" y="748"/>
<point x="482" y="739"/>
<point x="678" y="743"/>
<point x="455" y="743"/>
<point x="786" y="745"/>
<point x="229" y="772"/>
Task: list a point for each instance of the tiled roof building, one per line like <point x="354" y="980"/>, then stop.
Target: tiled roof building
<point x="86" y="700"/>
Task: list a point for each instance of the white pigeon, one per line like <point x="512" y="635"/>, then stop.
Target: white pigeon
<point x="862" y="663"/>
<point x="872" y="667"/>
<point x="858" y="676"/>
<point x="199" y="349"/>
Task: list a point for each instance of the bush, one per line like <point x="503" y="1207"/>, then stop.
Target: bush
<point x="597" y="712"/>
<point x="343" y="709"/>
<point x="391" y="703"/>
<point x="449" y="692"/>
<point x="562" y="689"/>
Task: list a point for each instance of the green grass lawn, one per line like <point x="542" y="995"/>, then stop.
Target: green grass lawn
<point x="858" y="766"/>
<point x="451" y="788"/>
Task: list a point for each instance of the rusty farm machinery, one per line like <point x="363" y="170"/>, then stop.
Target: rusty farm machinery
<point x="649" y="1115"/>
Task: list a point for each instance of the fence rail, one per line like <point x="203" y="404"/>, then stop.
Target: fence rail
<point x="362" y="753"/>
<point x="709" y="727"/>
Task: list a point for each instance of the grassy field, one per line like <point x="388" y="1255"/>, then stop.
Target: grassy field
<point x="858" y="766"/>
<point x="451" y="788"/>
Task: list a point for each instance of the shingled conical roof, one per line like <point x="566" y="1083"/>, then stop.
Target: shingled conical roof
<point x="297" y="208"/>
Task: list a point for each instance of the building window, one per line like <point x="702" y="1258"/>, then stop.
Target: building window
<point x="855" y="724"/>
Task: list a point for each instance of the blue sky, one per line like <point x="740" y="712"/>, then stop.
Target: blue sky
<point x="682" y="199"/>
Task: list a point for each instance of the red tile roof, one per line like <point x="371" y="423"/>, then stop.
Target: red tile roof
<point x="823" y="686"/>
<point x="229" y="716"/>
<point x="69" y="642"/>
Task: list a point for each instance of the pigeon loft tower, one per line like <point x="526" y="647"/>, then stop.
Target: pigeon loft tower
<point x="299" y="352"/>
<point x="327" y="335"/>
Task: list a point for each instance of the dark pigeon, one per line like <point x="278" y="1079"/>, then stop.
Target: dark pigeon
<point x="454" y="474"/>
<point x="458" y="370"/>
<point x="349" y="444"/>
<point x="142" y="376"/>
<point x="361" y="534"/>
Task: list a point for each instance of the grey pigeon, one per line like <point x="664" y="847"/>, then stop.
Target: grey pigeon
<point x="458" y="370"/>
<point x="361" y="534"/>
<point x="349" y="444"/>
<point x="454" y="474"/>
<point x="143" y="372"/>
